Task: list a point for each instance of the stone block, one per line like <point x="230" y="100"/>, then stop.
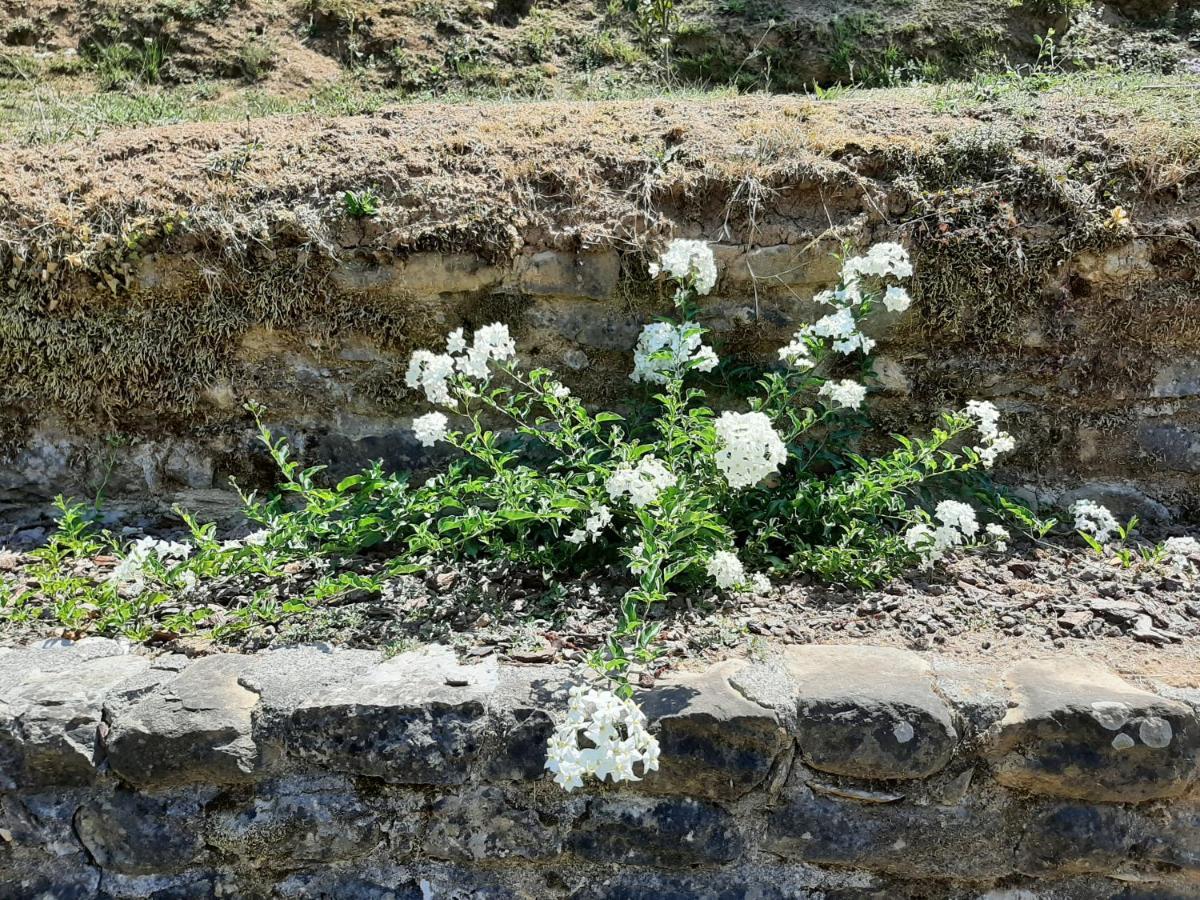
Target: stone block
<point x="646" y="832"/>
<point x="418" y="718"/>
<point x="193" y="727"/>
<point x="1079" y="731"/>
<point x="50" y="715"/>
<point x="295" y="821"/>
<point x="135" y="833"/>
<point x="552" y="272"/>
<point x="715" y="742"/>
<point x="869" y="712"/>
<point x="483" y="823"/>
<point x="970" y="840"/>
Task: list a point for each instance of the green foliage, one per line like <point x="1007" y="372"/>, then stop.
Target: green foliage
<point x="120" y="63"/>
<point x="361" y="204"/>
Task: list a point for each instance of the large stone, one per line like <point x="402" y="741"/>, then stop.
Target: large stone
<point x="194" y="727"/>
<point x="50" y="715"/>
<point x="646" y="832"/>
<point x="485" y="824"/>
<point x="1083" y="837"/>
<point x="1079" y="731"/>
<point x="970" y="840"/>
<point x="869" y="712"/>
<point x="715" y="742"/>
<point x="1176" y="447"/>
<point x="419" y="718"/>
<point x="142" y="833"/>
<point x="295" y="821"/>
<point x="591" y="275"/>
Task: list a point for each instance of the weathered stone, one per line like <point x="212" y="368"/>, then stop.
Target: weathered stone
<point x="1176" y="447"/>
<point x="1063" y="736"/>
<point x="1081" y="837"/>
<point x="645" y="832"/>
<point x="296" y="820"/>
<point x="715" y="742"/>
<point x="969" y="840"/>
<point x="49" y="718"/>
<point x="418" y="718"/>
<point x="193" y="727"/>
<point x="869" y="712"/>
<point x="1124" y="500"/>
<point x="525" y="700"/>
<point x="484" y="824"/>
<point x="142" y="833"/>
<point x="585" y="323"/>
<point x="40" y="854"/>
<point x="592" y="275"/>
<point x="751" y="882"/>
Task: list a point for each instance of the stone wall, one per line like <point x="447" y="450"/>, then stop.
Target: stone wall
<point x="826" y="772"/>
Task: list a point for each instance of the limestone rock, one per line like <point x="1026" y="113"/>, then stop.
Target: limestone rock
<point x="1064" y="736"/>
<point x="483" y="824"/>
<point x="418" y="718"/>
<point x="142" y="833"/>
<point x="193" y="727"/>
<point x="715" y="742"/>
<point x="50" y="712"/>
<point x="869" y="712"/>
<point x="645" y="832"/>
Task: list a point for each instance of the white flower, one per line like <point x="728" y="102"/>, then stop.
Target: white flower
<point x="726" y="570"/>
<point x="749" y="449"/>
<point x="847" y="393"/>
<point x="689" y="261"/>
<point x="957" y="515"/>
<point x="880" y="261"/>
<point x="664" y="349"/>
<point x="642" y="482"/>
<point x="430" y="428"/>
<point x="455" y="342"/>
<point x="958" y="524"/>
<point x="760" y="583"/>
<point x="616" y="731"/>
<point x="795" y="354"/>
<point x="995" y="441"/>
<point x="431" y="372"/>
<point x="1093" y="518"/>
<point x="896" y="299"/>
<point x="999" y="535"/>
<point x="599" y="520"/>
<point x="1178" y="549"/>
<point x="129" y="570"/>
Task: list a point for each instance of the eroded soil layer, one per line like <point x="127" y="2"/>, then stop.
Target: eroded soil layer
<point x="154" y="280"/>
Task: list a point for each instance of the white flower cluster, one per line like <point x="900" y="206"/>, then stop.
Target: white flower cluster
<point x="726" y="570"/>
<point x="958" y="525"/>
<point x="841" y="328"/>
<point x="995" y="441"/>
<point x="616" y="730"/>
<point x="432" y="371"/>
<point x="881" y="261"/>
<point x="728" y="573"/>
<point x="651" y="361"/>
<point x="1179" y="549"/>
<point x="599" y="520"/>
<point x="847" y="393"/>
<point x="749" y="448"/>
<point x="642" y="482"/>
<point x="688" y="261"/>
<point x="430" y="428"/>
<point x="1094" y="518"/>
<point x="128" y="572"/>
<point x="999" y="535"/>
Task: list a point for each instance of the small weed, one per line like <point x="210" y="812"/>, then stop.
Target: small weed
<point x="361" y="204"/>
<point x="256" y="59"/>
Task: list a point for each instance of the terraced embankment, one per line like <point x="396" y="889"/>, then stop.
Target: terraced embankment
<point x="152" y="280"/>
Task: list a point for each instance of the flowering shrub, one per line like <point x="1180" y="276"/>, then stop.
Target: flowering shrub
<point x="682" y="496"/>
